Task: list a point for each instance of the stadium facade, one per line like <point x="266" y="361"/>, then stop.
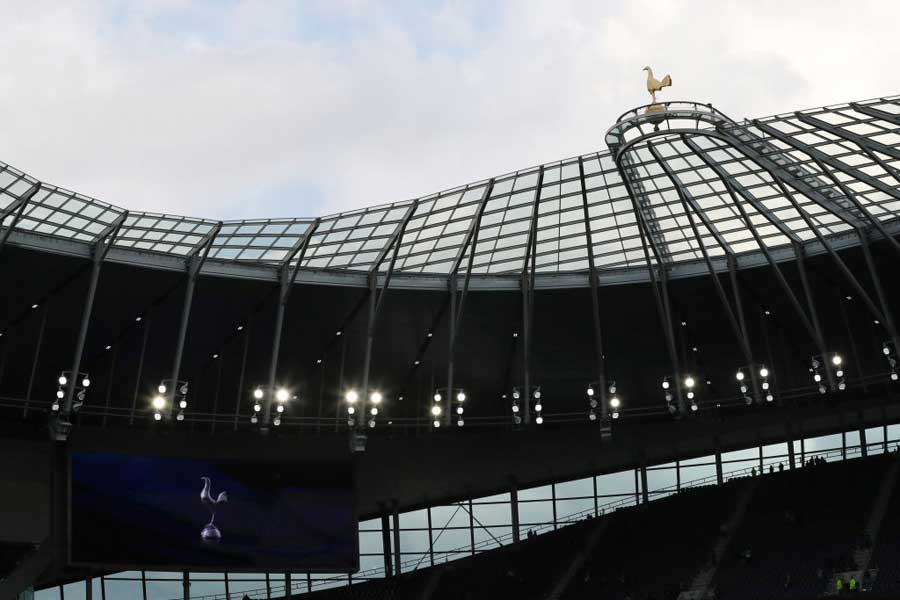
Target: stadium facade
<point x="701" y="286"/>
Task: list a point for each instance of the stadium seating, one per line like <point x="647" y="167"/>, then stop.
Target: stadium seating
<point x="800" y="527"/>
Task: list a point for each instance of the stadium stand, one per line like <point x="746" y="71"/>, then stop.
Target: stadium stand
<point x="801" y="528"/>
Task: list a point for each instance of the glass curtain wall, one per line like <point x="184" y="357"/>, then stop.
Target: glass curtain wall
<point x="447" y="532"/>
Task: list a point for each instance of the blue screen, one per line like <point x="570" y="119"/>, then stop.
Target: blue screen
<point x="213" y="513"/>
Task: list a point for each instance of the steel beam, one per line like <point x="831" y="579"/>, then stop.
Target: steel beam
<point x="600" y="372"/>
<point x="690" y="205"/>
<point x="376" y="302"/>
<point x="873" y="182"/>
<point x="813" y="314"/>
<point x="851" y="196"/>
<point x="771" y="159"/>
<point x="876" y="112"/>
<point x="37" y="356"/>
<point x="286" y="278"/>
<point x="859" y="140"/>
<point x="527" y="284"/>
<point x="879" y="290"/>
<point x="732" y="187"/>
<point x="456" y="313"/>
<point x="662" y="302"/>
<point x="102" y="243"/>
<point x="473" y="226"/>
<point x="17" y="209"/>
<point x="109" y="385"/>
<point x="140" y="367"/>
<point x="194" y="262"/>
<point x="842" y="267"/>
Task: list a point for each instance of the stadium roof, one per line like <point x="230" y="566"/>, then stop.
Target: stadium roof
<point x="828" y="169"/>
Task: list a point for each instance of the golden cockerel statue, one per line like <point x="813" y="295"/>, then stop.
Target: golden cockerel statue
<point x="654" y="85"/>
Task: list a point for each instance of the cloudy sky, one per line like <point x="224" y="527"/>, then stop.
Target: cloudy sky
<point x="233" y="109"/>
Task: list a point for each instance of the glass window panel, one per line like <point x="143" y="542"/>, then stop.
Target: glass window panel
<point x="202" y="587"/>
<point x="710" y="459"/>
<point x="417" y="519"/>
<point x="538" y="493"/>
<point x="370" y="542"/>
<point x="575" y="489"/>
<point x="492" y="514"/>
<point x="738" y="457"/>
<point x="117" y="589"/>
<point x="692" y="475"/>
<point x="448" y="516"/>
<point x="875" y="440"/>
<point x="536" y="512"/>
<point x="413" y="541"/>
<point x="574" y="510"/>
<point x="75" y="591"/>
<point x="164" y="589"/>
<point x="492" y="537"/>
<point x="661" y="479"/>
<point x="822" y="444"/>
<point x="616" y="483"/>
<point x="893" y="433"/>
<point x="451" y="539"/>
<point x="53" y="594"/>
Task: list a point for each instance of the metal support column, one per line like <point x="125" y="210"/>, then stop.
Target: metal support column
<point x="470" y="245"/>
<point x="645" y="493"/>
<point x="879" y="290"/>
<point x="286" y="278"/>
<point x="16" y="208"/>
<point x="527" y="285"/>
<point x="514" y="511"/>
<point x="471" y="528"/>
<point x="376" y="303"/>
<point x="719" y="477"/>
<point x="431" y="539"/>
<point x="194" y="262"/>
<point x="690" y="206"/>
<point x="109" y="386"/>
<point x="852" y="338"/>
<point x="662" y="306"/>
<point x="386" y="544"/>
<point x="102" y="245"/>
<point x="810" y="322"/>
<point x="140" y="367"/>
<point x="600" y="368"/>
<point x="813" y="314"/>
<point x="37" y="356"/>
<point x="241" y="373"/>
<point x="395" y="514"/>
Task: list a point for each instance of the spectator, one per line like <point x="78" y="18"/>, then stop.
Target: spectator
<point x="753" y="472"/>
<point x="780" y="467"/>
<point x="771" y="469"/>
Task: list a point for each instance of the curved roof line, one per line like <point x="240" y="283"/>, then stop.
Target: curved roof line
<point x="860" y="142"/>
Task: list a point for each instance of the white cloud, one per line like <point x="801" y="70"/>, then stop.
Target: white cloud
<point x="264" y="109"/>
